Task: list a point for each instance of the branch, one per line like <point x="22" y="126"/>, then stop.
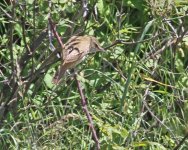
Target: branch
<point x="85" y="109"/>
<point x="26" y="56"/>
<point x="56" y="34"/>
<point x="120" y="41"/>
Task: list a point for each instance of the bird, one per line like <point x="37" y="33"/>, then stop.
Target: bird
<point x="74" y="52"/>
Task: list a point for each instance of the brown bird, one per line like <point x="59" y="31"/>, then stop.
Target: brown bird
<point x="74" y="52"/>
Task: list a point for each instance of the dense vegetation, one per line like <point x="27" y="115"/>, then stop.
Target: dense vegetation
<point x="137" y="92"/>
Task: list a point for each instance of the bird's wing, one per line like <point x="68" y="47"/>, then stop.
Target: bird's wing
<point x="74" y="56"/>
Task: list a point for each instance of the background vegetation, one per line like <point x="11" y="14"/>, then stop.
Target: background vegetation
<point x="136" y="92"/>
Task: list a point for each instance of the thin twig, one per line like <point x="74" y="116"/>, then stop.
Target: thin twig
<point x="149" y="110"/>
<point x="56" y="34"/>
<point x="26" y="56"/>
<point x="23" y="30"/>
<point x="7" y="15"/>
<point x="167" y="43"/>
<point x="34" y="32"/>
<point x="85" y="8"/>
<point x="85" y="109"/>
<point x="120" y="41"/>
<point x="11" y="43"/>
<point x="181" y="142"/>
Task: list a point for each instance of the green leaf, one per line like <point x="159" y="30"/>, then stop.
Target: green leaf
<point x="48" y="80"/>
<point x="100" y="6"/>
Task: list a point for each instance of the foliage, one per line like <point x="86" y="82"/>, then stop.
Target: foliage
<point x="136" y="92"/>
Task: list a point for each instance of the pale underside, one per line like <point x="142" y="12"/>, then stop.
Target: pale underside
<point x="75" y="50"/>
<point x="74" y="54"/>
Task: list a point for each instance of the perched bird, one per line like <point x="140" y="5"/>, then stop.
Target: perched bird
<point x="74" y="52"/>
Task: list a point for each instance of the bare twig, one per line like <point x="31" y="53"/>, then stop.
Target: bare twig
<point x="149" y="110"/>
<point x="53" y="27"/>
<point x="44" y="66"/>
<point x="85" y="8"/>
<point x="11" y="43"/>
<point x="34" y="32"/>
<point x="26" y="56"/>
<point x="131" y="43"/>
<point x="153" y="115"/>
<point x="181" y="142"/>
<point x="85" y="109"/>
<point x="167" y="43"/>
<point x="50" y="35"/>
<point x="117" y="70"/>
<point x="12" y="83"/>
<point x="23" y="30"/>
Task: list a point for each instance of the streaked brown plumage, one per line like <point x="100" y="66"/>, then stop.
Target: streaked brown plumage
<point x="76" y="48"/>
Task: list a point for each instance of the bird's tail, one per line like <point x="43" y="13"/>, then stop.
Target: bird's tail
<point x="58" y="75"/>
